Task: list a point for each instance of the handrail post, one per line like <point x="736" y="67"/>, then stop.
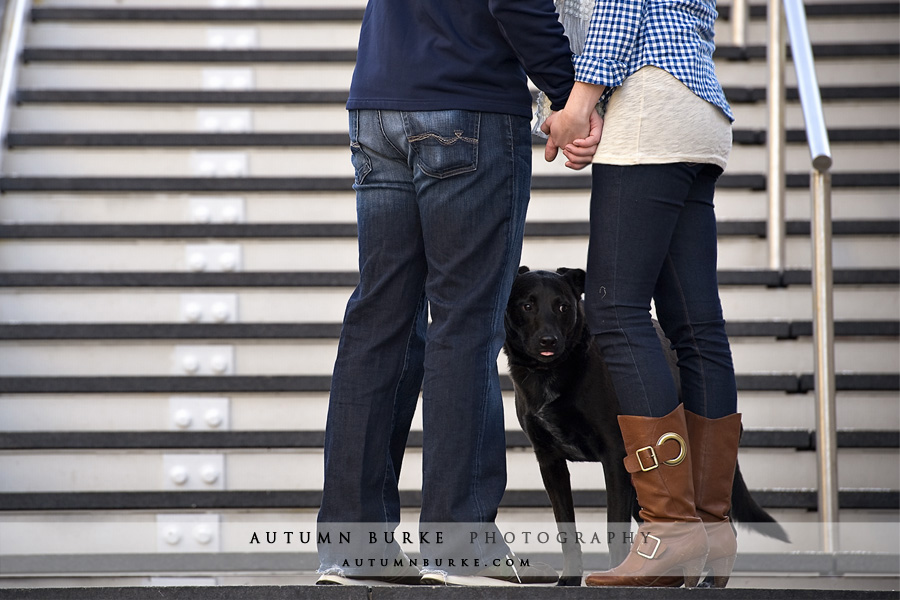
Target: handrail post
<point x="740" y="22"/>
<point x="822" y="278"/>
<point x="776" y="137"/>
<point x="823" y="340"/>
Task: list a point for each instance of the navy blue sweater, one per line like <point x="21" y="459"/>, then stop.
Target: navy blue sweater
<point x="460" y="54"/>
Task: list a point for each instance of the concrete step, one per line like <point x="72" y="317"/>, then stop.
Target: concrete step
<point x="880" y="500"/>
<point x="330" y="254"/>
<point x="64" y="118"/>
<point x="125" y="358"/>
<point x="399" y="593"/>
<point x="154" y="470"/>
<point x="156" y="306"/>
<point x="333" y="72"/>
<point x="222" y="330"/>
<point x="305" y="439"/>
<point x="237" y="35"/>
<point x="230" y="538"/>
<point x="792" y="383"/>
<point x="828" y="21"/>
<point x="330" y="161"/>
<point x="240" y="185"/>
<point x="315" y="279"/>
<point x="765" y="413"/>
<point x="271" y="154"/>
<point x="732" y="204"/>
<point x="319" y="76"/>
<point x="737" y="94"/>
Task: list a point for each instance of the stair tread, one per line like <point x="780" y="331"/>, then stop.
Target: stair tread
<point x="118" y="14"/>
<point x="273" y="500"/>
<point x="735" y="94"/>
<point x="16" y="139"/>
<point x="293" y="330"/>
<point x="298" y="184"/>
<point x="130" y="231"/>
<point x="766" y="278"/>
<point x="822" y="51"/>
<point x="213" y="15"/>
<point x="795" y="439"/>
<point x="789" y="383"/>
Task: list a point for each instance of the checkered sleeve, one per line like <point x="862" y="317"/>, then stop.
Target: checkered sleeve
<point x="611" y="38"/>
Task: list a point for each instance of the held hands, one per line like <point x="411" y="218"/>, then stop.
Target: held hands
<point x="578" y="140"/>
<point x="576" y="129"/>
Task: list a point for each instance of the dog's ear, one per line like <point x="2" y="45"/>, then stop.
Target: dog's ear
<point x="523" y="269"/>
<point x="575" y="277"/>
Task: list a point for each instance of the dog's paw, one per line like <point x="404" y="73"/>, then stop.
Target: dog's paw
<point x="569" y="580"/>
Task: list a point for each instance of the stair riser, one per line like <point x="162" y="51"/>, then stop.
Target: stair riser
<point x="333" y="118"/>
<point x="62" y="118"/>
<point x="340" y="207"/>
<point x="320" y="305"/>
<point x="336" y="76"/>
<point x="188" y="77"/>
<point x="301" y="470"/>
<point x="270" y="36"/>
<point x="342" y="255"/>
<point x="301" y="411"/>
<point x="316" y="357"/>
<point x="342" y="35"/>
<point x="335" y="161"/>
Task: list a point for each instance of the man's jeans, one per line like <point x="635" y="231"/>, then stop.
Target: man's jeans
<point x="653" y="235"/>
<point x="441" y="202"/>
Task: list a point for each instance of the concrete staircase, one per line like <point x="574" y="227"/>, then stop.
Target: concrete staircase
<point x="177" y="243"/>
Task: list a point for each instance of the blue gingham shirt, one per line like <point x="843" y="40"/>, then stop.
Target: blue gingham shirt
<point x="674" y="35"/>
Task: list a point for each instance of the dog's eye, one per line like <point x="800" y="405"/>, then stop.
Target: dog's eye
<point x="563" y="308"/>
<point x="527" y="307"/>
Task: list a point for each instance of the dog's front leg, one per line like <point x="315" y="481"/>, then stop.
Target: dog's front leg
<point x="555" y="473"/>
<point x="620" y="503"/>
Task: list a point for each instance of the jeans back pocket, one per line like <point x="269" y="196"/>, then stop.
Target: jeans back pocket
<point x="362" y="164"/>
<point x="445" y="141"/>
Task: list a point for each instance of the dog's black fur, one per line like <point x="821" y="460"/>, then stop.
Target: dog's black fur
<point x="567" y="407"/>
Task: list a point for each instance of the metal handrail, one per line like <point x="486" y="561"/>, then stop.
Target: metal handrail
<point x="777" y="137"/>
<point x="820" y="216"/>
<point x="13" y="40"/>
<point x="740" y="22"/>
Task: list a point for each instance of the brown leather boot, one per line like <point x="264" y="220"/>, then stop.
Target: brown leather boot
<point x="671" y="542"/>
<point x="714" y="449"/>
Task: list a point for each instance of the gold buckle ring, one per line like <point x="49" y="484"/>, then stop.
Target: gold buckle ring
<point x="655" y="464"/>
<point x="652" y="555"/>
<point x="681" y="455"/>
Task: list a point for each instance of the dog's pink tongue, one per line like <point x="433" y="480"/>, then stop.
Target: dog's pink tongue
<point x="547" y="353"/>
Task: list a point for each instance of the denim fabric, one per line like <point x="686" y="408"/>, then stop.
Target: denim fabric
<point x="653" y="236"/>
<point x="441" y="202"/>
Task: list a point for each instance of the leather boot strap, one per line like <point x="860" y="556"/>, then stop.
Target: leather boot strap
<point x="668" y="451"/>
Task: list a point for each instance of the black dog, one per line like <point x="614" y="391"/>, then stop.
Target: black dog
<point x="567" y="407"/>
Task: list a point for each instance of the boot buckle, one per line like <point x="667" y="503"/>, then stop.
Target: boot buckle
<point x="652" y="554"/>
<point x="652" y="452"/>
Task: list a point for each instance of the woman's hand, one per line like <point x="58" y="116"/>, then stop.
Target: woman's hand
<point x="577" y="128"/>
<point x="581" y="151"/>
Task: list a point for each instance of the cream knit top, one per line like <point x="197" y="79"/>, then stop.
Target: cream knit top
<point x="655" y="119"/>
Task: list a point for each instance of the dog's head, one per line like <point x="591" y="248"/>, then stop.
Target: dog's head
<point x="544" y="316"/>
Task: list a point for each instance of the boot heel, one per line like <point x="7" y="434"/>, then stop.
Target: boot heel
<point x="720" y="570"/>
<point x="693" y="570"/>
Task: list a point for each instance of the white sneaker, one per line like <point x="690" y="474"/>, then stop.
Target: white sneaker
<point x="404" y="574"/>
<point x="511" y="571"/>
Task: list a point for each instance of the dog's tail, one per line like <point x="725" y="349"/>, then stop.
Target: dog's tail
<point x="746" y="511"/>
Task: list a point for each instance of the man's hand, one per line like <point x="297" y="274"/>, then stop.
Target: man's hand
<point x="580" y="151"/>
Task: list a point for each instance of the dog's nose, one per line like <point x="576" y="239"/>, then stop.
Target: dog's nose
<point x="549" y="342"/>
